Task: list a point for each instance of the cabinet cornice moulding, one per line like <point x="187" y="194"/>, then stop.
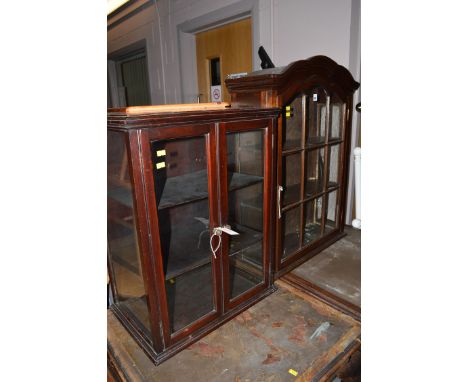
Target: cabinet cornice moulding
<point x="319" y="70"/>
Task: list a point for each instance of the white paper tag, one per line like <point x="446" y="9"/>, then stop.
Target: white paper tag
<point x="315" y="97"/>
<point x="228" y="230"/>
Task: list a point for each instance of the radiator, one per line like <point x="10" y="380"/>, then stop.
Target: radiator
<point x="357" y="184"/>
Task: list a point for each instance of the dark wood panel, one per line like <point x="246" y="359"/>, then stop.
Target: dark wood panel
<point x="297" y="77"/>
<point x="119" y="119"/>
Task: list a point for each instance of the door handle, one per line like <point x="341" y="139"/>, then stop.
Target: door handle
<point x="280" y="189"/>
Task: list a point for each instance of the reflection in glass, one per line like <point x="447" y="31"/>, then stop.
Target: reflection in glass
<point x="316" y="118"/>
<point x="314" y="171"/>
<point x="290" y="228"/>
<point x="332" y="207"/>
<point x="245" y="208"/>
<point x="121" y="233"/>
<point x="334" y="160"/>
<point x="336" y="127"/>
<point x="189" y="296"/>
<point x="291" y="178"/>
<point x="292" y="124"/>
<point x="313" y="220"/>
<point x="181" y="187"/>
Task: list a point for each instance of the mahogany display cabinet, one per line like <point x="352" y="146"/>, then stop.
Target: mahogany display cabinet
<point x="190" y="228"/>
<point x="313" y="150"/>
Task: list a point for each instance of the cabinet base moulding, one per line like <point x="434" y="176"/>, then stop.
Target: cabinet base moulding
<point x="170" y="351"/>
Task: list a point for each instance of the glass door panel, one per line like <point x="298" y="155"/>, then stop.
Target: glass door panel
<point x="337" y="111"/>
<point x="305" y="168"/>
<point x="314" y="172"/>
<point x="290" y="232"/>
<point x="332" y="209"/>
<point x="292" y="125"/>
<point x="291" y="178"/>
<point x="315" y="133"/>
<point x="124" y="253"/>
<point x="334" y="162"/>
<point x="245" y="181"/>
<point x="313" y="220"/>
<point x="181" y="187"/>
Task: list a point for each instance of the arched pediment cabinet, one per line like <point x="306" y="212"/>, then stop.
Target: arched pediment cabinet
<point x="313" y="150"/>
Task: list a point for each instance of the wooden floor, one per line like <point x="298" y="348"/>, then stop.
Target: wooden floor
<point x="288" y="332"/>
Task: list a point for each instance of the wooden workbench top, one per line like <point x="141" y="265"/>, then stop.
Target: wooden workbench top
<point x="287" y="332"/>
<point x="170" y="108"/>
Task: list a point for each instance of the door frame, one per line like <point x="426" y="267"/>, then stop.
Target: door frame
<point x="268" y="233"/>
<point x="182" y="132"/>
<point x="186" y="43"/>
<point x="114" y="73"/>
<point x="280" y="263"/>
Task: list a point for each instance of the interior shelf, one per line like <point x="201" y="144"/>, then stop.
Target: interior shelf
<point x="292" y="193"/>
<point x="293" y="146"/>
<point x="185" y="188"/>
<point x="194" y="186"/>
<point x="189" y="247"/>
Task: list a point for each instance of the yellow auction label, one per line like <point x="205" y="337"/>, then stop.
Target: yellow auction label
<point x="160" y="165"/>
<point x="160" y="153"/>
<point x="288" y="114"/>
<point x="293" y="372"/>
<point x="288" y="108"/>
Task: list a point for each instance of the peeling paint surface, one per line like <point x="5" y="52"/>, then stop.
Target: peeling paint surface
<point x="202" y="348"/>
<point x="281" y="332"/>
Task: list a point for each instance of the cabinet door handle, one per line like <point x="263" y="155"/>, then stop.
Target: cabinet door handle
<point x="280" y="189"/>
<point x="218" y="231"/>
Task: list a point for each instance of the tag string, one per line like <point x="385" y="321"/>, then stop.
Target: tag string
<point x="211" y="244"/>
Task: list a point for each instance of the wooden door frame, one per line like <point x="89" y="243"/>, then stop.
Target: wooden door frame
<point x="285" y="265"/>
<point x="186" y="43"/>
<point x="267" y="129"/>
<point x="181" y="132"/>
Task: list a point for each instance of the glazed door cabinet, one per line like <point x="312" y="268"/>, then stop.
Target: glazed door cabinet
<point x="313" y="151"/>
<point x="310" y="181"/>
<point x="189" y="220"/>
